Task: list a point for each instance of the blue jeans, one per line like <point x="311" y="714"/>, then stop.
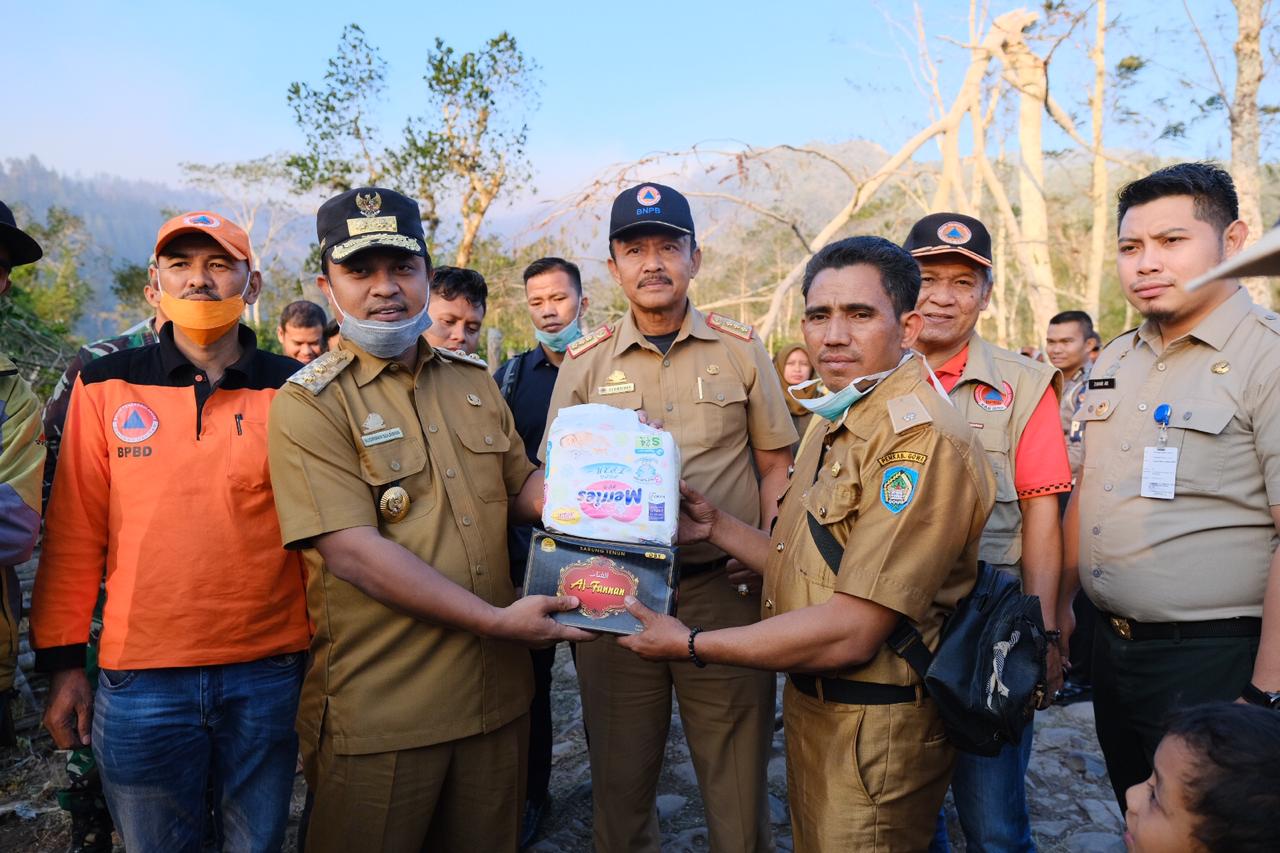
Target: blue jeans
<point x="991" y="800"/>
<point x="159" y="734"/>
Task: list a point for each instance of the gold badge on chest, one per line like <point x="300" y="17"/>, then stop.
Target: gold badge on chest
<point x="394" y="504"/>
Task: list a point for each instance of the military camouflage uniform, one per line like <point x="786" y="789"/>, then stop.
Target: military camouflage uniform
<point x="90" y="823"/>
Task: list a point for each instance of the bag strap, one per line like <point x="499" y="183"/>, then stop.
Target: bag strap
<point x="905" y="640"/>
<point x="508" y="388"/>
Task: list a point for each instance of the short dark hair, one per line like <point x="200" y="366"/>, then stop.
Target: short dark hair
<point x="1081" y="317"/>
<point x="899" y="272"/>
<point x="1235" y="788"/>
<point x="303" y="314"/>
<point x="1208" y="184"/>
<point x="648" y="231"/>
<point x="546" y="265"/>
<point x="452" y="282"/>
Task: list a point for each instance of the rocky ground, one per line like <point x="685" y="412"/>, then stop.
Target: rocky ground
<point x="1071" y="802"/>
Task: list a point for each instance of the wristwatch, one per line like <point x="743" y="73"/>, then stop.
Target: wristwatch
<point x="1265" y="698"/>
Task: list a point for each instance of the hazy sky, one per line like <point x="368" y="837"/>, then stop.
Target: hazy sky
<point x="134" y="88"/>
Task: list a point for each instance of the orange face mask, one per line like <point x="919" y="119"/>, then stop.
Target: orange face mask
<point x="203" y="321"/>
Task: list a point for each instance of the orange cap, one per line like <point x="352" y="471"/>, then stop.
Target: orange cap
<point x="229" y="235"/>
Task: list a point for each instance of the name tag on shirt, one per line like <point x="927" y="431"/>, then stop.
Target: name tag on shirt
<point x="381" y="437"/>
<point x="1159" y="470"/>
<point x="1102" y="384"/>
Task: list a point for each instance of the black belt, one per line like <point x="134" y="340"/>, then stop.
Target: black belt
<point x="852" y="692"/>
<point x="1130" y="629"/>
<point x="688" y="570"/>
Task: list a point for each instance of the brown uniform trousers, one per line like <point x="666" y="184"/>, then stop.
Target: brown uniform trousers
<point x="717" y="392"/>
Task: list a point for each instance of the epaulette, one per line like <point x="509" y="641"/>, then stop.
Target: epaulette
<point x="1119" y="336"/>
<point x="319" y="373"/>
<point x="730" y="326"/>
<point x="1268" y="318"/>
<point x="588" y="341"/>
<point x="906" y="412"/>
<point x="459" y="355"/>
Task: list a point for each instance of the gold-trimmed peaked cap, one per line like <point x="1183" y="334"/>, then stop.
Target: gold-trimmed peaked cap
<point x="369" y="218"/>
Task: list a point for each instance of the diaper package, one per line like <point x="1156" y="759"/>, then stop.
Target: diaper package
<point x="610" y="477"/>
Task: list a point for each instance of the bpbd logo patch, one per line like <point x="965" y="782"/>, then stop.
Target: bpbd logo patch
<point x="134" y="422"/>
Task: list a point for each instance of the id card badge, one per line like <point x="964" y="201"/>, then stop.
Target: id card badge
<point x="1159" y="470"/>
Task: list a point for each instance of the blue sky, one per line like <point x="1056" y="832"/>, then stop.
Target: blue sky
<point x="134" y="88"/>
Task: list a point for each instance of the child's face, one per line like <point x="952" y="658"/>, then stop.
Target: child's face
<point x="1157" y="815"/>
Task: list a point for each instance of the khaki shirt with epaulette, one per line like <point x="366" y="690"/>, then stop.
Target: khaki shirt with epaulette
<point x="715" y="390"/>
<point x="904" y="484"/>
<point x="343" y="431"/>
<point x="1019" y="384"/>
<point x="1073" y="389"/>
<point x="1206" y="553"/>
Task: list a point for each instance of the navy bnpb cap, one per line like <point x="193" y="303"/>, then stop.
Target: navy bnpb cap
<point x="650" y="204"/>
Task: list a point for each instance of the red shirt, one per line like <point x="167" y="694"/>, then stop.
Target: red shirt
<point x="1040" y="465"/>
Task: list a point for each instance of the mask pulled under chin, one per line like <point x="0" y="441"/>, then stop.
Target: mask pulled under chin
<point x="833" y="406"/>
<point x="559" y="341"/>
<point x="203" y="321"/>
<point x="384" y="339"/>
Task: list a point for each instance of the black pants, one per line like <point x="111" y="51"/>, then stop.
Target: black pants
<point x="1137" y="684"/>
<point x="540" y="736"/>
<point x="1082" y="640"/>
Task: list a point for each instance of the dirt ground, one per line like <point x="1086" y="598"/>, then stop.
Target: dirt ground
<point x="1071" y="803"/>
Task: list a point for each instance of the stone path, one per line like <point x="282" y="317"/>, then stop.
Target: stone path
<point x="1072" y="808"/>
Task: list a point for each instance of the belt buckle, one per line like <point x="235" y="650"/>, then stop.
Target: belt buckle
<point x="1121" y="626"/>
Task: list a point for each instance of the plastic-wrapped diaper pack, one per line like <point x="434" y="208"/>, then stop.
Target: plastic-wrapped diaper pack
<point x="610" y="477"/>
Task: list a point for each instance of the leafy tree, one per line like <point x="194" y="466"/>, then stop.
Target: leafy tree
<point x="342" y="146"/>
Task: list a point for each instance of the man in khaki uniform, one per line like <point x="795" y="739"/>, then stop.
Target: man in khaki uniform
<point x="712" y="384"/>
<point x="395" y="467"/>
<point x="891" y="471"/>
<point x="1178" y="507"/>
<point x="1068" y="343"/>
<point x="1012" y="403"/>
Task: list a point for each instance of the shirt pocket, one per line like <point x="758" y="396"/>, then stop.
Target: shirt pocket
<point x="247" y="453"/>
<point x="485" y="448"/>
<point x="832" y="505"/>
<point x="720" y="406"/>
<point x="1195" y="428"/>
<point x="400" y="462"/>
<point x="1097" y="406"/>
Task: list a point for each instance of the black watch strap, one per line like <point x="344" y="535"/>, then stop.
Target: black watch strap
<point x="1256" y="696"/>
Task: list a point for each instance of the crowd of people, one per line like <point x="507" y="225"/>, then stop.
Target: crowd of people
<point x="248" y="557"/>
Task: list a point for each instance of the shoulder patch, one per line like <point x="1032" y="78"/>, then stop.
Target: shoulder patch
<point x="906" y="412"/>
<point x="319" y="373"/>
<point x="586" y="342"/>
<point x="459" y="355"/>
<point x="730" y="326"/>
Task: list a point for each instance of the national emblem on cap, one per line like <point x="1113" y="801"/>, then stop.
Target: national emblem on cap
<point x="954" y="233"/>
<point x="369" y="205"/>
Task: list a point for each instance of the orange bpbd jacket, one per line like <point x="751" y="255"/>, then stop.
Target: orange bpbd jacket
<point x="163" y="484"/>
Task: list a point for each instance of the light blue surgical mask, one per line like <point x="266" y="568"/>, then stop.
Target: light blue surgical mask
<point x="382" y="339"/>
<point x="833" y="406"/>
<point x="559" y="341"/>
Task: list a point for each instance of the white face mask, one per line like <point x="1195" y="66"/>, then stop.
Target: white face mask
<point x="833" y="406"/>
<point x="380" y="338"/>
